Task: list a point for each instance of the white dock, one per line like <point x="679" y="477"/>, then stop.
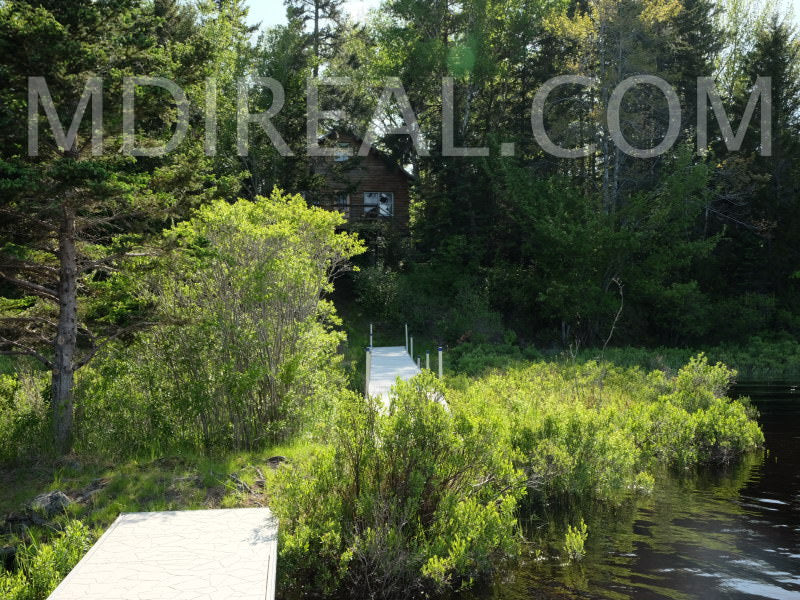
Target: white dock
<point x="389" y="363"/>
<point x="186" y="555"/>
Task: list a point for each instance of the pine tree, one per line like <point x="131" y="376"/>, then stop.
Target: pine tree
<point x="69" y="216"/>
<point x="325" y="17"/>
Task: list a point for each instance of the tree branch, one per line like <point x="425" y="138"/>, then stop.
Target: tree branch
<point x="37" y="289"/>
<point x="96" y="348"/>
<point x="24" y="351"/>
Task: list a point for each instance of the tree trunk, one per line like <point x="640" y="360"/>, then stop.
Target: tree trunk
<point x="316" y="39"/>
<point x="66" y="338"/>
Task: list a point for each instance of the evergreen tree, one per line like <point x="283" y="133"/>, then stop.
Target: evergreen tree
<point x="325" y="18"/>
<point x="70" y="216"/>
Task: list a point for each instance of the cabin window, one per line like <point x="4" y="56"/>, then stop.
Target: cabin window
<point x="341" y="202"/>
<point x="378" y="204"/>
<point x="311" y="199"/>
<point x="341" y="152"/>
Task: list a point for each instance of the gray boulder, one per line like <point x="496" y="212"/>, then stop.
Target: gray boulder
<point x="51" y="503"/>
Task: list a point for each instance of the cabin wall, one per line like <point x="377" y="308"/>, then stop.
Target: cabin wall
<point x="359" y="175"/>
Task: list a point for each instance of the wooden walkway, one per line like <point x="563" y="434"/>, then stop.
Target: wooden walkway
<point x="389" y="363"/>
<point x="187" y="555"/>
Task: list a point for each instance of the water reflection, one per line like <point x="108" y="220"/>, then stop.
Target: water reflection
<point x="723" y="533"/>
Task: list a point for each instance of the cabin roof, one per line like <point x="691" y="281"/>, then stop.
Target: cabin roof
<point x="387" y="160"/>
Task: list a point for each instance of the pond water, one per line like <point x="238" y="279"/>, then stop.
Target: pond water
<point x="719" y="533"/>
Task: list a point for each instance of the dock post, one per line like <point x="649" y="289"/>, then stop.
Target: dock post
<point x="406" y="337"/>
<point x="440" y="362"/>
<point x="428" y="361"/>
<point x="368" y="371"/>
<point x="411" y="347"/>
<point x="419" y="362"/>
<point x="370" y="335"/>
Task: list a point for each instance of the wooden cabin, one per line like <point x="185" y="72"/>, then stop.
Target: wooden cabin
<point x="363" y="188"/>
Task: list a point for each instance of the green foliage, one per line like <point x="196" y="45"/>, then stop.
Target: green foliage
<point x="593" y="430"/>
<point x="246" y="345"/>
<point x="440" y="297"/>
<point x="419" y="496"/>
<point x="24" y="414"/>
<point x="702" y="245"/>
<point x="574" y="541"/>
<point x="758" y="358"/>
<point x="41" y="567"/>
<point x="473" y="359"/>
<point x="377" y="289"/>
<point x="422" y="494"/>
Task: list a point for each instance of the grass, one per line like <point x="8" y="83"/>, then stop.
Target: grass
<point x="6" y="365"/>
<point x="184" y="482"/>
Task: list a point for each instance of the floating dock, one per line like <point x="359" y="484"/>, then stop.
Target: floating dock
<point x="387" y="364"/>
<point x="184" y="555"/>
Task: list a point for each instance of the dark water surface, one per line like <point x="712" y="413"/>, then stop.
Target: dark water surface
<point x="722" y="533"/>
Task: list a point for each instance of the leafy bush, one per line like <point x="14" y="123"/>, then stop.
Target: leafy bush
<point x="759" y="358"/>
<point x="377" y="289"/>
<point x="575" y="541"/>
<point x="245" y="343"/>
<point x="41" y="567"/>
<point x="439" y="297"/>
<point x="473" y="359"/>
<point x="421" y="496"/>
<point x="24" y="415"/>
<point x="593" y="430"/>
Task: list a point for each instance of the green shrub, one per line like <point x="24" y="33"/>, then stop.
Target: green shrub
<point x="575" y="541"/>
<point x="593" y="430"/>
<point x="377" y="289"/>
<point x="698" y="384"/>
<point x="422" y="496"/>
<point x="474" y="359"/>
<point x="758" y="358"/>
<point x="41" y="567"/>
<point x="438" y="297"/>
<point x="245" y="345"/>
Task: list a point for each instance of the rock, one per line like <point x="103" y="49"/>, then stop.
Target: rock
<point x="275" y="461"/>
<point x="19" y="522"/>
<point x="89" y="491"/>
<point x="240" y="485"/>
<point x="50" y="504"/>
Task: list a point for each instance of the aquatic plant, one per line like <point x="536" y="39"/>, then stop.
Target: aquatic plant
<point x="575" y="540"/>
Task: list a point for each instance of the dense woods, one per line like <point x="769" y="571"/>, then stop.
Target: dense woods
<point x="183" y="302"/>
<point x="699" y="247"/>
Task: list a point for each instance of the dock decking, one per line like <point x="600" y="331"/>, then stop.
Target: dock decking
<point x="389" y="363"/>
<point x="186" y="555"/>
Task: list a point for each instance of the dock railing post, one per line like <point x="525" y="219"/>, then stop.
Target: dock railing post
<point x="370" y="335"/>
<point x="428" y="361"/>
<point x="411" y="347"/>
<point x="368" y="371"/>
<point x="440" y="362"/>
<point x="406" y="337"/>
